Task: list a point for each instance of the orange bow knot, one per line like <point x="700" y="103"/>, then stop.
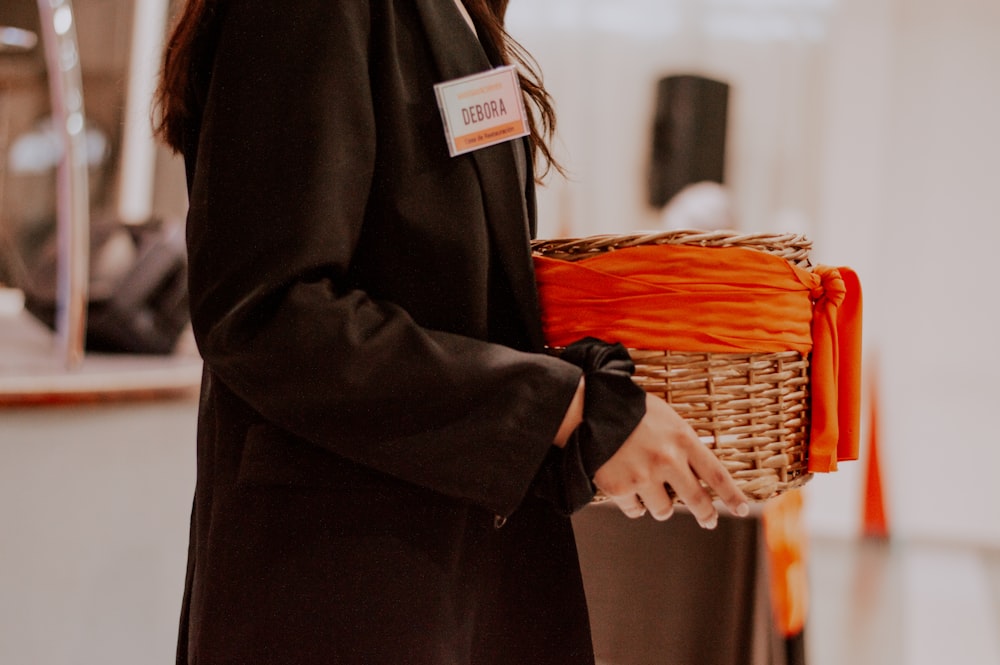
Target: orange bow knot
<point x="829" y="286"/>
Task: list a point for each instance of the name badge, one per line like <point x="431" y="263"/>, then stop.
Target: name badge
<point x="482" y="110"/>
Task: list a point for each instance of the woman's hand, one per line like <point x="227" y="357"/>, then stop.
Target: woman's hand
<point x="664" y="449"/>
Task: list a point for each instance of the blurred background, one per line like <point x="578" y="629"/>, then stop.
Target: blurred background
<point x="868" y="125"/>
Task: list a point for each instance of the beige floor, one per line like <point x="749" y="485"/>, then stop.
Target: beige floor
<point x="908" y="603"/>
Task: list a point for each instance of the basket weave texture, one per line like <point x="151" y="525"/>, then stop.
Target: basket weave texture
<point x="750" y="409"/>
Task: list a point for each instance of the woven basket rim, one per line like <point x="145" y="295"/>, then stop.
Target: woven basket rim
<point x="794" y="247"/>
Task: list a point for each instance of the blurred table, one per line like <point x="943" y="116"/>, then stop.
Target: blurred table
<point x="32" y="371"/>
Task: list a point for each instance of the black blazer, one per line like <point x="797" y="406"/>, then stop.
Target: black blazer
<point x="373" y="393"/>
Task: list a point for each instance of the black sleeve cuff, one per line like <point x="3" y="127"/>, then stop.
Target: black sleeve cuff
<point x="613" y="407"/>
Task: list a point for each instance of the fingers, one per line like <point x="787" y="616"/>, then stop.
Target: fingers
<point x="694" y="496"/>
<point x="705" y="470"/>
<point x="688" y="484"/>
<point x="665" y="450"/>
<point x="694" y="473"/>
<point x="632" y="505"/>
<point x="654" y="500"/>
<point x="708" y="467"/>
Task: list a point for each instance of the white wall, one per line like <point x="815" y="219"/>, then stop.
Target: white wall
<point x="601" y="60"/>
<point x="872" y="126"/>
<point x="937" y="298"/>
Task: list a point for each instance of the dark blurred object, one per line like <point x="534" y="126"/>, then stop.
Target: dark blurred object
<point x="672" y="592"/>
<point x="138" y="287"/>
<point x="689" y="135"/>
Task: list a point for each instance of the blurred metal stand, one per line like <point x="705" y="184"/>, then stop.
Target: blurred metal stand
<point x="138" y="161"/>
<point x="62" y="58"/>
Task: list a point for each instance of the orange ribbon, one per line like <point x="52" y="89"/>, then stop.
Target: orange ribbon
<point x="787" y="551"/>
<point x="725" y="300"/>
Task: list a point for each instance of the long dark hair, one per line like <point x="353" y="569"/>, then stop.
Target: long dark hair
<point x="175" y="98"/>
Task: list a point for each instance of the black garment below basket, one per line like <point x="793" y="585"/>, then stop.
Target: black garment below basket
<point x="672" y="592"/>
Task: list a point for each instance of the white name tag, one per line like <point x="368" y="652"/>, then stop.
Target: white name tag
<point x="482" y="110"/>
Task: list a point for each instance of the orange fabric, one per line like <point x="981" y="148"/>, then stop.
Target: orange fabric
<point x="874" y="518"/>
<point x="787" y="546"/>
<point x="727" y="300"/>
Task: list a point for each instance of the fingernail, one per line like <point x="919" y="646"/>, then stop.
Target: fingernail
<point x="711" y="523"/>
<point x="743" y="509"/>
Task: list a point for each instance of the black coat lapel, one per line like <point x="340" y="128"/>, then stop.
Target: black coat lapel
<point x="458" y="53"/>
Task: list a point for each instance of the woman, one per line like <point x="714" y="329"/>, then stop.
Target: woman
<point x="385" y="458"/>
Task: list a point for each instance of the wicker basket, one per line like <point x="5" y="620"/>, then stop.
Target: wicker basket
<point x="751" y="409"/>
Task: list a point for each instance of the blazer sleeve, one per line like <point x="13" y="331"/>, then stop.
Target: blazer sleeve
<point x="285" y="159"/>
